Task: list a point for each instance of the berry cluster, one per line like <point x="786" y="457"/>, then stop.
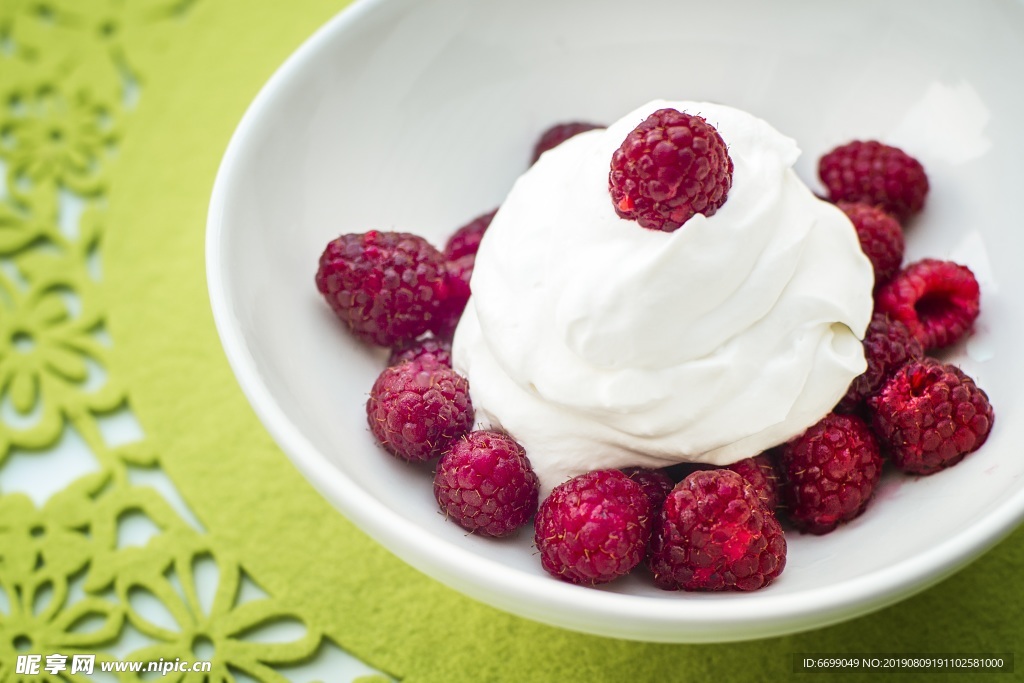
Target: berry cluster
<point x="921" y="414"/>
<point x="696" y="527"/>
<point x="396" y="290"/>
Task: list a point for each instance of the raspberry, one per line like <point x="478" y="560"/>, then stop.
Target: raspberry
<point x="466" y="240"/>
<point x="670" y="167"/>
<point x="655" y="483"/>
<point x="888" y="344"/>
<point x="830" y="473"/>
<point x="386" y="286"/>
<point x="417" y="408"/>
<point x="457" y="274"/>
<point x="760" y="472"/>
<point x="875" y="174"/>
<point x="484" y="483"/>
<point x="930" y="415"/>
<point x="460" y="271"/>
<point x="461" y="254"/>
<point x="714" y="534"/>
<point x="937" y="300"/>
<point x="559" y="133"/>
<point x="881" y="238"/>
<point x="593" y="528"/>
<point x="438" y="349"/>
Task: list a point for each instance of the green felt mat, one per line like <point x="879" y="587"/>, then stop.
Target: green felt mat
<point x="259" y="511"/>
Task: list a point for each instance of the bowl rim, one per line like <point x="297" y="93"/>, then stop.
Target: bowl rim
<point x="724" y="618"/>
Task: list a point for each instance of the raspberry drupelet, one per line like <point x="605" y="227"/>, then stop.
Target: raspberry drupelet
<point x="876" y="174"/>
<point x="830" y="473"/>
<point x="937" y="300"/>
<point x="929" y="415"/>
<point x="669" y="168"/>
<point x="485" y="484"/>
<point x="593" y="528"/>
<point x="418" y="408"/>
<point x="714" y="534"/>
<point x="387" y="287"/>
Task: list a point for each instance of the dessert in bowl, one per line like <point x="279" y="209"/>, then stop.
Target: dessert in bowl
<point x="349" y="137"/>
<point x="604" y="344"/>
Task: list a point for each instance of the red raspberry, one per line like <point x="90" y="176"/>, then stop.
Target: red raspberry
<point x="830" y="473"/>
<point x="875" y="174"/>
<point x="888" y="344"/>
<point x="670" y="167"/>
<point x="559" y="133"/>
<point x="438" y="349"/>
<point x="461" y="254"/>
<point x="417" y="408"/>
<point x="714" y="534"/>
<point x="386" y="286"/>
<point x="881" y="238"/>
<point x="457" y="274"/>
<point x="760" y="472"/>
<point x="460" y="271"/>
<point x="930" y="415"/>
<point x="937" y="300"/>
<point x="484" y="483"/>
<point x="466" y="240"/>
<point x="655" y="483"/>
<point x="593" y="528"/>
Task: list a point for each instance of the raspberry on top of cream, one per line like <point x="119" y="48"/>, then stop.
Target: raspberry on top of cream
<point x="600" y="344"/>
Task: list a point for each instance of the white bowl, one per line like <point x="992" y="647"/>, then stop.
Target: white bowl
<point x="418" y="115"/>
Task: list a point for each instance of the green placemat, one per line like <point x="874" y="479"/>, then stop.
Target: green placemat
<point x="153" y="112"/>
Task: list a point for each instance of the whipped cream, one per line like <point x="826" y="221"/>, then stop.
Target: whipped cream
<point x="598" y="344"/>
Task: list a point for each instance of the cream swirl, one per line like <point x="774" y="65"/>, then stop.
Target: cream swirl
<point x="597" y="343"/>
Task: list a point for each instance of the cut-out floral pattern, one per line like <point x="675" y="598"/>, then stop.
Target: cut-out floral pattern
<point x="55" y="139"/>
<point x="39" y="618"/>
<point x="70" y="71"/>
<point x="46" y="349"/>
<point x="54" y="539"/>
<point x="31" y="219"/>
<point x="108" y="21"/>
<point x="225" y="631"/>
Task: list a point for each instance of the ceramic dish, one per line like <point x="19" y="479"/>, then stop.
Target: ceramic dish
<point x="418" y="115"/>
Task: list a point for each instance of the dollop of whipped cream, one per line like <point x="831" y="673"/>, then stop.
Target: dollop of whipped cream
<point x="599" y="344"/>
